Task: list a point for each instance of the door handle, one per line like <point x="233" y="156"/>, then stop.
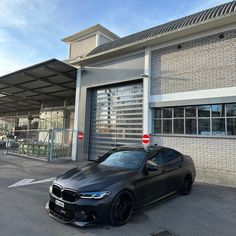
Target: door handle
<point x="163" y="171"/>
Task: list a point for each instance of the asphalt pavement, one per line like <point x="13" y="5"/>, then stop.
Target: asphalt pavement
<point x="209" y="211"/>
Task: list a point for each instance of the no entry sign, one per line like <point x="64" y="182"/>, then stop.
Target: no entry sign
<point x="146" y="139"/>
<point x="80" y="135"/>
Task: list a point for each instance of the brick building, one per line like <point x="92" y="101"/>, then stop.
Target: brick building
<point x="176" y="81"/>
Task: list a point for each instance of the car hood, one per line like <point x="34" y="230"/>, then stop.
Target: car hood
<point x="92" y="177"/>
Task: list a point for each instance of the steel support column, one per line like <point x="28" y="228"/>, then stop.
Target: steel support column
<point x="147" y="112"/>
<point x="76" y="117"/>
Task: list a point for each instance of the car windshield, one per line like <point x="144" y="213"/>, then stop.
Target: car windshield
<point x="125" y="159"/>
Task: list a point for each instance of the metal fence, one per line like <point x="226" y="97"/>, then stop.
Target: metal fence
<point x="42" y="144"/>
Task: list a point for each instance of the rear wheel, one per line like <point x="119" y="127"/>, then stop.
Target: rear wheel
<point x="186" y="186"/>
<point x="122" y="208"/>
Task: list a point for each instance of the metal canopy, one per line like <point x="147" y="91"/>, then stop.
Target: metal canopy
<point x="28" y="88"/>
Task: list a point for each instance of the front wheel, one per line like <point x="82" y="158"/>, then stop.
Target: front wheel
<point x="186" y="187"/>
<point x="122" y="208"/>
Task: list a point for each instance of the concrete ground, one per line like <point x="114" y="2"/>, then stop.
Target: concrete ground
<point x="209" y="210"/>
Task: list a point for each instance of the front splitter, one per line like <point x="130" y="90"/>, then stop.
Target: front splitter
<point x="75" y="222"/>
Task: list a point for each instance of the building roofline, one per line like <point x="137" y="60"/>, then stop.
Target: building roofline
<point x="206" y="25"/>
<point x="90" y="30"/>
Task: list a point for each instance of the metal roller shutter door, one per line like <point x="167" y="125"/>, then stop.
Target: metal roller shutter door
<point x="116" y="118"/>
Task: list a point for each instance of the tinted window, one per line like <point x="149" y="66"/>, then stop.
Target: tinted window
<point x="167" y="126"/>
<point x="179" y="126"/>
<point x="157" y="126"/>
<point x="218" y="110"/>
<point x="165" y="156"/>
<point x="218" y="126"/>
<point x="204" y="126"/>
<point x="125" y="159"/>
<point x="191" y="126"/>
<point x="190" y="111"/>
<point x="231" y="109"/>
<point x="178" y="112"/>
<point x="167" y="112"/>
<point x="217" y="119"/>
<point x="231" y="126"/>
<point x="204" y="111"/>
<point x="157" y="113"/>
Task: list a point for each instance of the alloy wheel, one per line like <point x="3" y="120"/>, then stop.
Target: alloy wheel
<point x="122" y="208"/>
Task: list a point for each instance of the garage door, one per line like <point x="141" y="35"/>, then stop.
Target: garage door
<point x="116" y="118"/>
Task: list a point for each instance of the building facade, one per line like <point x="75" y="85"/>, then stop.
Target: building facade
<point x="176" y="82"/>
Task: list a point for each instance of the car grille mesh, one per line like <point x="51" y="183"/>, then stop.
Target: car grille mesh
<point x="64" y="194"/>
<point x="56" y="190"/>
<point x="65" y="215"/>
<point x="69" y="195"/>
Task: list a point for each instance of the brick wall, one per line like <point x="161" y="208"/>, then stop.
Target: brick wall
<point x="205" y="63"/>
<point x="215" y="157"/>
<point x="82" y="47"/>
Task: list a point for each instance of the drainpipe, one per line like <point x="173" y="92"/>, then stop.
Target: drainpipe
<point x="147" y="112"/>
<point x="76" y="117"/>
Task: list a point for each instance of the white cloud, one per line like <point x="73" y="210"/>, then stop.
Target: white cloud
<point x="30" y="29"/>
<point x="26" y="14"/>
<point x="24" y="24"/>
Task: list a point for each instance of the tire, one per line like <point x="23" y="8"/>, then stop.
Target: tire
<point x="186" y="186"/>
<point x="122" y="208"/>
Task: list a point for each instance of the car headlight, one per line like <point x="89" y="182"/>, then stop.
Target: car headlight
<point x="94" y="195"/>
<point x="50" y="188"/>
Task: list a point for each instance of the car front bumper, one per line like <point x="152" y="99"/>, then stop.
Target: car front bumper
<point x="81" y="212"/>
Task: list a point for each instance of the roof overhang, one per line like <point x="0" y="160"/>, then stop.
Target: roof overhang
<point x="90" y="30"/>
<point x="162" y="38"/>
<point x="27" y="89"/>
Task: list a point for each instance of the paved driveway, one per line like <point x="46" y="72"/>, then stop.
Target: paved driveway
<point x="209" y="210"/>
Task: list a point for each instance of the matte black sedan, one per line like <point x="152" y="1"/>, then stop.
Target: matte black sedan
<point x="118" y="183"/>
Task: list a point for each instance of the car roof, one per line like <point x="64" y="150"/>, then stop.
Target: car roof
<point x="149" y="148"/>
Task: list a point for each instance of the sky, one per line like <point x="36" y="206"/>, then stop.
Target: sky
<point x="31" y="30"/>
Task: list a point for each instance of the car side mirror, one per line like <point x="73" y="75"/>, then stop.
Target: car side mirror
<point x="151" y="166"/>
<point x="98" y="158"/>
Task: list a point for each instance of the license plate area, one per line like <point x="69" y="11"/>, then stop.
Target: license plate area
<point x="59" y="203"/>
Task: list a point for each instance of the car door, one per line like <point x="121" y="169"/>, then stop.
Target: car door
<point x="151" y="185"/>
<point x="172" y="169"/>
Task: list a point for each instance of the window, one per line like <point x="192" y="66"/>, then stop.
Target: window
<point x="204" y="111"/>
<point x="124" y="159"/>
<point x="218" y="126"/>
<point x="167" y="126"/>
<point x="157" y="126"/>
<point x="178" y="112"/>
<point x="231" y="109"/>
<point x="190" y="111"/>
<point x="167" y="112"/>
<point x="179" y="126"/>
<point x="214" y="120"/>
<point x="231" y="126"/>
<point x="165" y="156"/>
<point x="204" y="126"/>
<point x="191" y="126"/>
<point x="218" y="110"/>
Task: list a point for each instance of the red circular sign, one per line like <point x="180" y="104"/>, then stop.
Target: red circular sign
<point x="80" y="135"/>
<point x="146" y="139"/>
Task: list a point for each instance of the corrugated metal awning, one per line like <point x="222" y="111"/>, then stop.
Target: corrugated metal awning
<point x="28" y="88"/>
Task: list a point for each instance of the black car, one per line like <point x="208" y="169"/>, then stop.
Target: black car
<point x="118" y="183"/>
